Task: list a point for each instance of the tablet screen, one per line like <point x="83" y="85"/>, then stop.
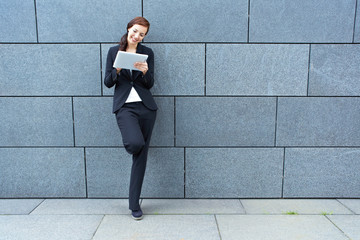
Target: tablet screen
<point x="127" y="60"/>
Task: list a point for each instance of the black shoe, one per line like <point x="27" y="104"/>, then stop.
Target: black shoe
<point x="137" y="214"/>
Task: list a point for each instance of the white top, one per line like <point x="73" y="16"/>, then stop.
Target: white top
<point x="133" y="95"/>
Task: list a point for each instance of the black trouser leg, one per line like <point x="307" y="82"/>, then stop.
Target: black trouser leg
<point x="136" y="123"/>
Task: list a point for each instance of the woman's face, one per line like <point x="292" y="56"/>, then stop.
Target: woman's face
<point x="136" y="34"/>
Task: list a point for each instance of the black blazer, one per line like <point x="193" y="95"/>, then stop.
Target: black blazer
<point x="124" y="81"/>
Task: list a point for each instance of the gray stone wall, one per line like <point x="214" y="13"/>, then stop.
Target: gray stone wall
<point x="257" y="99"/>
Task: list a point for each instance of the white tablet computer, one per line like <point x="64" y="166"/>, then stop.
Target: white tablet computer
<point x="127" y="60"/>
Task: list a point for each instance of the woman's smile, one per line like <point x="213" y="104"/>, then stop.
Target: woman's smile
<point x="134" y="39"/>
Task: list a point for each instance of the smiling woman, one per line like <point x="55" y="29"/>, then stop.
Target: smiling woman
<point x="133" y="104"/>
<point x="134" y="26"/>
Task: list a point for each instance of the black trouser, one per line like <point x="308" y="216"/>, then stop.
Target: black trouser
<point x="136" y="123"/>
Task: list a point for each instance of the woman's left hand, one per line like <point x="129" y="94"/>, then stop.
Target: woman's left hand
<point x="142" y="66"/>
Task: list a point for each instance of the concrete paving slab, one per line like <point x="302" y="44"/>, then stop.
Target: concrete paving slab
<point x="352" y="204"/>
<point x="18" y="206"/>
<point x="299" y="206"/>
<point x="83" y="206"/>
<point x="350" y="225"/>
<point x="251" y="227"/>
<point x="159" y="227"/>
<point x="192" y="206"/>
<point x="36" y="227"/>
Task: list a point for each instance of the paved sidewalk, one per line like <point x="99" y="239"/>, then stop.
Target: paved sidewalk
<point x="181" y="219"/>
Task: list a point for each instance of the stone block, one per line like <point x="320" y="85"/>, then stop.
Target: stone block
<point x="42" y="172"/>
<point x="49" y="69"/>
<point x="225" y="121"/>
<point x="163" y="133"/>
<point x="18" y="206"/>
<point x="306" y="21"/>
<point x="108" y="172"/>
<point x="322" y="173"/>
<point x="17" y="21"/>
<point x="159" y="227"/>
<point x="348" y="224"/>
<point x="36" y="121"/>
<point x="179" y="69"/>
<point x="197" y="21"/>
<point x="164" y="174"/>
<point x="318" y="121"/>
<point x="84" y="21"/>
<point x="254" y="227"/>
<point x="192" y="206"/>
<point x="352" y="204"/>
<point x="299" y="206"/>
<point x="357" y="25"/>
<point x="95" y="124"/>
<point x="82" y="207"/>
<point x="334" y="70"/>
<point x="54" y="227"/>
<point x="234" y="173"/>
<point x="256" y="69"/>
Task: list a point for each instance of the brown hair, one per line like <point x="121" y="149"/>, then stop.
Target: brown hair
<point x="138" y="20"/>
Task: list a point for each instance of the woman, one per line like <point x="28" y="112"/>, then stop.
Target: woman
<point x="133" y="104"/>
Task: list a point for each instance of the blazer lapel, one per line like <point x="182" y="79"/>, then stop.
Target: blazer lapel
<point x="136" y="74"/>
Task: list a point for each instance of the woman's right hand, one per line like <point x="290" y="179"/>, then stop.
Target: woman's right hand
<point x="118" y="70"/>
